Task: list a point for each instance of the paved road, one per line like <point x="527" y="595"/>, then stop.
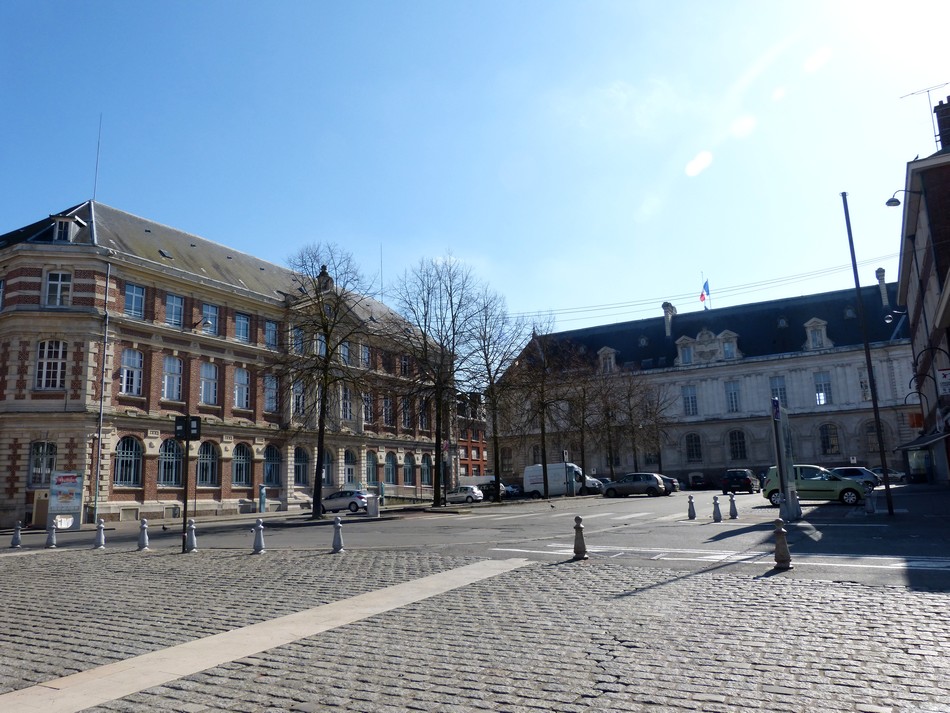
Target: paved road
<point x="431" y="630"/>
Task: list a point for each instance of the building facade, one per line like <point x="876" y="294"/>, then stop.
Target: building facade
<point x="705" y="380"/>
<point x="925" y="299"/>
<point x="111" y="326"/>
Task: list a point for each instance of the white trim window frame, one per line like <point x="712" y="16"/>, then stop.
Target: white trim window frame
<point x="130" y="376"/>
<point x="209" y="383"/>
<point x="51" y="365"/>
<point x="58" y="289"/>
<point x="171" y="378"/>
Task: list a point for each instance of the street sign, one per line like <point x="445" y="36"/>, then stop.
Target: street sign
<point x="187" y="428"/>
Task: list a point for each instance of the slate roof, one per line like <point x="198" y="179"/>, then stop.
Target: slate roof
<point x="756" y="324"/>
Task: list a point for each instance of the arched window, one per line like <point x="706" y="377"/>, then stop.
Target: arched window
<point x="301" y="466"/>
<point x="371" y="467"/>
<point x="390" y="468"/>
<point x="737" y="445"/>
<point x="128" y="463"/>
<point x="828" y="434"/>
<point x="408" y="470"/>
<point x="425" y="471"/>
<point x="271" y="466"/>
<point x="42" y="463"/>
<point x="327" y="466"/>
<point x="694" y="448"/>
<point x="241" y="466"/>
<point x="208" y="465"/>
<point x="349" y="467"/>
<point x="169" y="464"/>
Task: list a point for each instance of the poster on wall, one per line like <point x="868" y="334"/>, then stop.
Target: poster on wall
<point x="65" y="501"/>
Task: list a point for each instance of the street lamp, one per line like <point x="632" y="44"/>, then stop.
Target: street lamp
<point x="867" y="358"/>
<point x="894" y="201"/>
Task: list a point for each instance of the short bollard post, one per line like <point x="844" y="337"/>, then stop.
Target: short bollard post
<point x="691" y="510"/>
<point x="783" y="558"/>
<point x="191" y="540"/>
<point x="259" y="537"/>
<point x="580" y="547"/>
<point x="100" y="542"/>
<point x="16" y="542"/>
<point x="143" y="536"/>
<point x="733" y="512"/>
<point x="869" y="500"/>
<point x="717" y="515"/>
<point x="337" y="535"/>
<point x="51" y="536"/>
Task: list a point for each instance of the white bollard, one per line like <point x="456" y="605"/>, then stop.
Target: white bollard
<point x="733" y="512"/>
<point x="717" y="515"/>
<point x="337" y="535"/>
<point x="100" y="542"/>
<point x="17" y="541"/>
<point x="143" y="536"/>
<point x="691" y="510"/>
<point x="259" y="537"/>
<point x="191" y="540"/>
<point x="51" y="537"/>
<point x="869" y="507"/>
<point x="580" y="547"/>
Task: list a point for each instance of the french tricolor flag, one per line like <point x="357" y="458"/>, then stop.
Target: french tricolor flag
<point x="704" y="295"/>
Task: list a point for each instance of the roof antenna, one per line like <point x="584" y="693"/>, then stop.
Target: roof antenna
<point x="930" y="108"/>
<point x="95" y="183"/>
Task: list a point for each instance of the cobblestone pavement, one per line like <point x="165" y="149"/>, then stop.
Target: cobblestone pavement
<point x="567" y="636"/>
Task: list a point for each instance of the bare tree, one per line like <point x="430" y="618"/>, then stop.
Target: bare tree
<point x="438" y="300"/>
<point x="330" y="318"/>
<point x="499" y="339"/>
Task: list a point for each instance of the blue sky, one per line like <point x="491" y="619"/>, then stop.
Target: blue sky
<point x="590" y="160"/>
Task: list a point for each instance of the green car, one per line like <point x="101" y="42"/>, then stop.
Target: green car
<point x="815" y="483"/>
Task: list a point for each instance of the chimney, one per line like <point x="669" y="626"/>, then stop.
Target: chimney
<point x="668" y="311"/>
<point x="942" y="111"/>
<point x="879" y="273"/>
<point x="324" y="281"/>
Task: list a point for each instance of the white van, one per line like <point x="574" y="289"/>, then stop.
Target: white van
<point x="563" y="479"/>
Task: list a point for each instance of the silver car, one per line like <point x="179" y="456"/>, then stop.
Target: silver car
<point x="635" y="484"/>
<point x="862" y="475"/>
<point x="465" y="494"/>
<point x="352" y="500"/>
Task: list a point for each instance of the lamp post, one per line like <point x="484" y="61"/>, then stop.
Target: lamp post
<point x="867" y="357"/>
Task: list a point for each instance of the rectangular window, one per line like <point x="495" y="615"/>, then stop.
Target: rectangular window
<point x="345" y="352"/>
<point x="406" y="412"/>
<point x="209" y="319"/>
<point x="242" y="328"/>
<point x="823" y="388"/>
<point x="62" y="231"/>
<point x="51" y="365"/>
<point x="777" y="386"/>
<point x="346" y="403"/>
<point x="365" y="356"/>
<point x="475" y="455"/>
<point x="271" y="340"/>
<point x="321" y="345"/>
<point x="388" y="418"/>
<point x="271" y="391"/>
<point x="424" y="415"/>
<point x="728" y="350"/>
<point x="242" y="388"/>
<point x="58" y="289"/>
<point x="864" y="384"/>
<point x="1" y="294"/>
<point x="300" y="400"/>
<point x="135" y="301"/>
<point x="690" y="407"/>
<point x="732" y="397"/>
<point x="686" y="355"/>
<point x="42" y="463"/>
<point x="174" y="310"/>
<point x="130" y="378"/>
<point x="298" y="339"/>
<point x="405" y="365"/>
<point x="368" y="415"/>
<point x="171" y="379"/>
<point x="463" y="452"/>
<point x="209" y="384"/>
<point x="816" y="338"/>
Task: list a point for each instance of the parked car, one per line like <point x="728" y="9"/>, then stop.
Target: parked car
<point x="862" y="475"/>
<point x="814" y="483"/>
<point x="895" y="476"/>
<point x="635" y="484"/>
<point x="672" y="484"/>
<point x="697" y="481"/>
<point x="736" y="479"/>
<point x="465" y="494"/>
<point x="352" y="500"/>
<point x="513" y="490"/>
<point x="488" y="490"/>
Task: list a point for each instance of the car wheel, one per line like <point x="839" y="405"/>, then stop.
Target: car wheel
<point x="611" y="493"/>
<point x="751" y="491"/>
<point x="354" y="507"/>
<point x="470" y="499"/>
<point x="582" y="491"/>
<point x="652" y="492"/>
<point x="775" y="497"/>
<point x="725" y="492"/>
<point x="850" y="497"/>
<point x="323" y="509"/>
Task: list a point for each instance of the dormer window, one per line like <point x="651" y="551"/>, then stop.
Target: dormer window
<point x="816" y="338"/>
<point x="608" y="360"/>
<point x="817" y="334"/>
<point x="63" y="231"/>
<point x="686" y="354"/>
<point x="728" y="350"/>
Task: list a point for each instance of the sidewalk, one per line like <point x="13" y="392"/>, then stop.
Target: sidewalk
<point x="371" y="631"/>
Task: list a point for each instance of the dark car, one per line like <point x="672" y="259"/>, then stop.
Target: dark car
<point x="488" y="490"/>
<point x="736" y="479"/>
<point x="672" y="484"/>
